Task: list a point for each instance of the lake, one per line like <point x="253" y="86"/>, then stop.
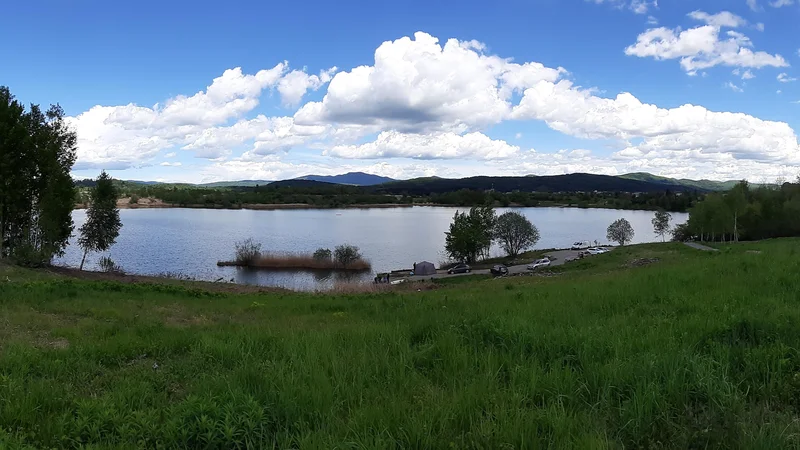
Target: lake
<point x="189" y="242"/>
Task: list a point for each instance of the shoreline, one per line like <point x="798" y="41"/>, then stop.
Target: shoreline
<point x="260" y="206"/>
<point x="157" y="204"/>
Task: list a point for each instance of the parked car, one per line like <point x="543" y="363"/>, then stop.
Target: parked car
<point x="580" y="245"/>
<point x="544" y="262"/>
<point x="459" y="268"/>
<point x="499" y="270"/>
<point x="596" y="250"/>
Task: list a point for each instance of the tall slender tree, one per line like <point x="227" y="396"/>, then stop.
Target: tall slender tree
<point x="37" y="151"/>
<point x="736" y="199"/>
<point x="661" y="223"/>
<point x="102" y="225"/>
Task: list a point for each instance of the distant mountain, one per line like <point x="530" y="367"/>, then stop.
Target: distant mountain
<point x="704" y="185"/>
<point x="351" y="178"/>
<point x="301" y="183"/>
<point x="575" y="182"/>
<point x="240" y="183"/>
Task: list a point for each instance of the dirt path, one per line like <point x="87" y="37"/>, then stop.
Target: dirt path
<point x="702" y="247"/>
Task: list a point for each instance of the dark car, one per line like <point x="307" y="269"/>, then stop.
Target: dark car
<point x="459" y="268"/>
<point x="499" y="270"/>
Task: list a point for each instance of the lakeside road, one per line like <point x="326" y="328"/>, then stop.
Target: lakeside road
<point x="557" y="258"/>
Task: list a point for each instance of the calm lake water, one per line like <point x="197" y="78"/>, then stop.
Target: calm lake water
<point x="191" y="241"/>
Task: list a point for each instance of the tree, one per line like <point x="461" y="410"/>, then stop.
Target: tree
<point x="37" y="151"/>
<point x="681" y="233"/>
<point x="102" y="225"/>
<point x="515" y="233"/>
<point x="660" y="223"/>
<point x="620" y="232"/>
<point x="322" y="254"/>
<point x="736" y="199"/>
<point x="346" y="254"/>
<point x="247" y="251"/>
<point x="470" y="235"/>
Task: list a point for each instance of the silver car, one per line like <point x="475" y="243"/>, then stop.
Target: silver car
<point x="544" y="262"/>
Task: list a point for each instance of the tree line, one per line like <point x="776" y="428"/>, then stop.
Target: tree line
<point x="472" y="233"/>
<point x="37" y="195"/>
<point x="745" y="213"/>
<point x="329" y="195"/>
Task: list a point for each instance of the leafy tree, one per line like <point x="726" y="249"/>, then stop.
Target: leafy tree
<point x="681" y="233"/>
<point x="37" y="151"/>
<point x="515" y="233"/>
<point x="322" y="254"/>
<point x="660" y="223"/>
<point x="736" y="199"/>
<point x="346" y="254"/>
<point x="470" y="235"/>
<point x="102" y="225"/>
<point x="620" y="231"/>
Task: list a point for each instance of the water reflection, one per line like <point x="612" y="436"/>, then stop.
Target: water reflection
<point x="191" y="241"/>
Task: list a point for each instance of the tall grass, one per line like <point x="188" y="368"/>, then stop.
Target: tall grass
<point x="699" y="350"/>
<point x="297" y="261"/>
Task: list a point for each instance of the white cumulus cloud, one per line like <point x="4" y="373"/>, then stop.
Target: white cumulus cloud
<point x="702" y="47"/>
<point x="419" y="85"/>
<point x="393" y="144"/>
<point x="294" y="85"/>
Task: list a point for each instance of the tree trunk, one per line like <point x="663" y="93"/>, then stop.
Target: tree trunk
<point x="735" y="227"/>
<point x="83" y="259"/>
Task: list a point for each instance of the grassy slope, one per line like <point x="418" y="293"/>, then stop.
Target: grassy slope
<point x="698" y="350"/>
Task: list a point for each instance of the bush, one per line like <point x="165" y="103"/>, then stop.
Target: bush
<point x="681" y="233"/>
<point x="346" y="254"/>
<point x="27" y="255"/>
<point x="322" y="254"/>
<point x="134" y="199"/>
<point x="247" y="251"/>
<point x="109" y="266"/>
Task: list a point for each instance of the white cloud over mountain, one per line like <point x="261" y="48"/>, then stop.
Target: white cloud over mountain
<point x="421" y="100"/>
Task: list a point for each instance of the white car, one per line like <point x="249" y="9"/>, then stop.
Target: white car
<point x="597" y="250"/>
<point x="580" y="245"/>
<point x="544" y="262"/>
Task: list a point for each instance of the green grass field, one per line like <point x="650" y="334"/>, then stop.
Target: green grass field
<point x="694" y="350"/>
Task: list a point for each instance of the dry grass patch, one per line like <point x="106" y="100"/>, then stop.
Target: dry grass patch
<point x="293" y="261"/>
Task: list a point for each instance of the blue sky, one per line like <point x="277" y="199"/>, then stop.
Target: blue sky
<point x="202" y="91"/>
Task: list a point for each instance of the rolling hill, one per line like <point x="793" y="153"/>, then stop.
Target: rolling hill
<point x="703" y="185"/>
<point x="576" y="182"/>
<point x="351" y="178"/>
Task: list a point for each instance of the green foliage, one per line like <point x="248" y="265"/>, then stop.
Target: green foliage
<point x="470" y="235"/>
<point x="747" y="214"/>
<point x="323" y="254"/>
<point x="109" y="266"/>
<point x="681" y="233"/>
<point x="346" y="254"/>
<point x="134" y="199"/>
<point x="325" y="195"/>
<point x="515" y="233"/>
<point x="247" y="251"/>
<point x="620" y="231"/>
<point x="660" y="223"/>
<point x="37" y="151"/>
<point x="101" y="229"/>
<point x="696" y="351"/>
